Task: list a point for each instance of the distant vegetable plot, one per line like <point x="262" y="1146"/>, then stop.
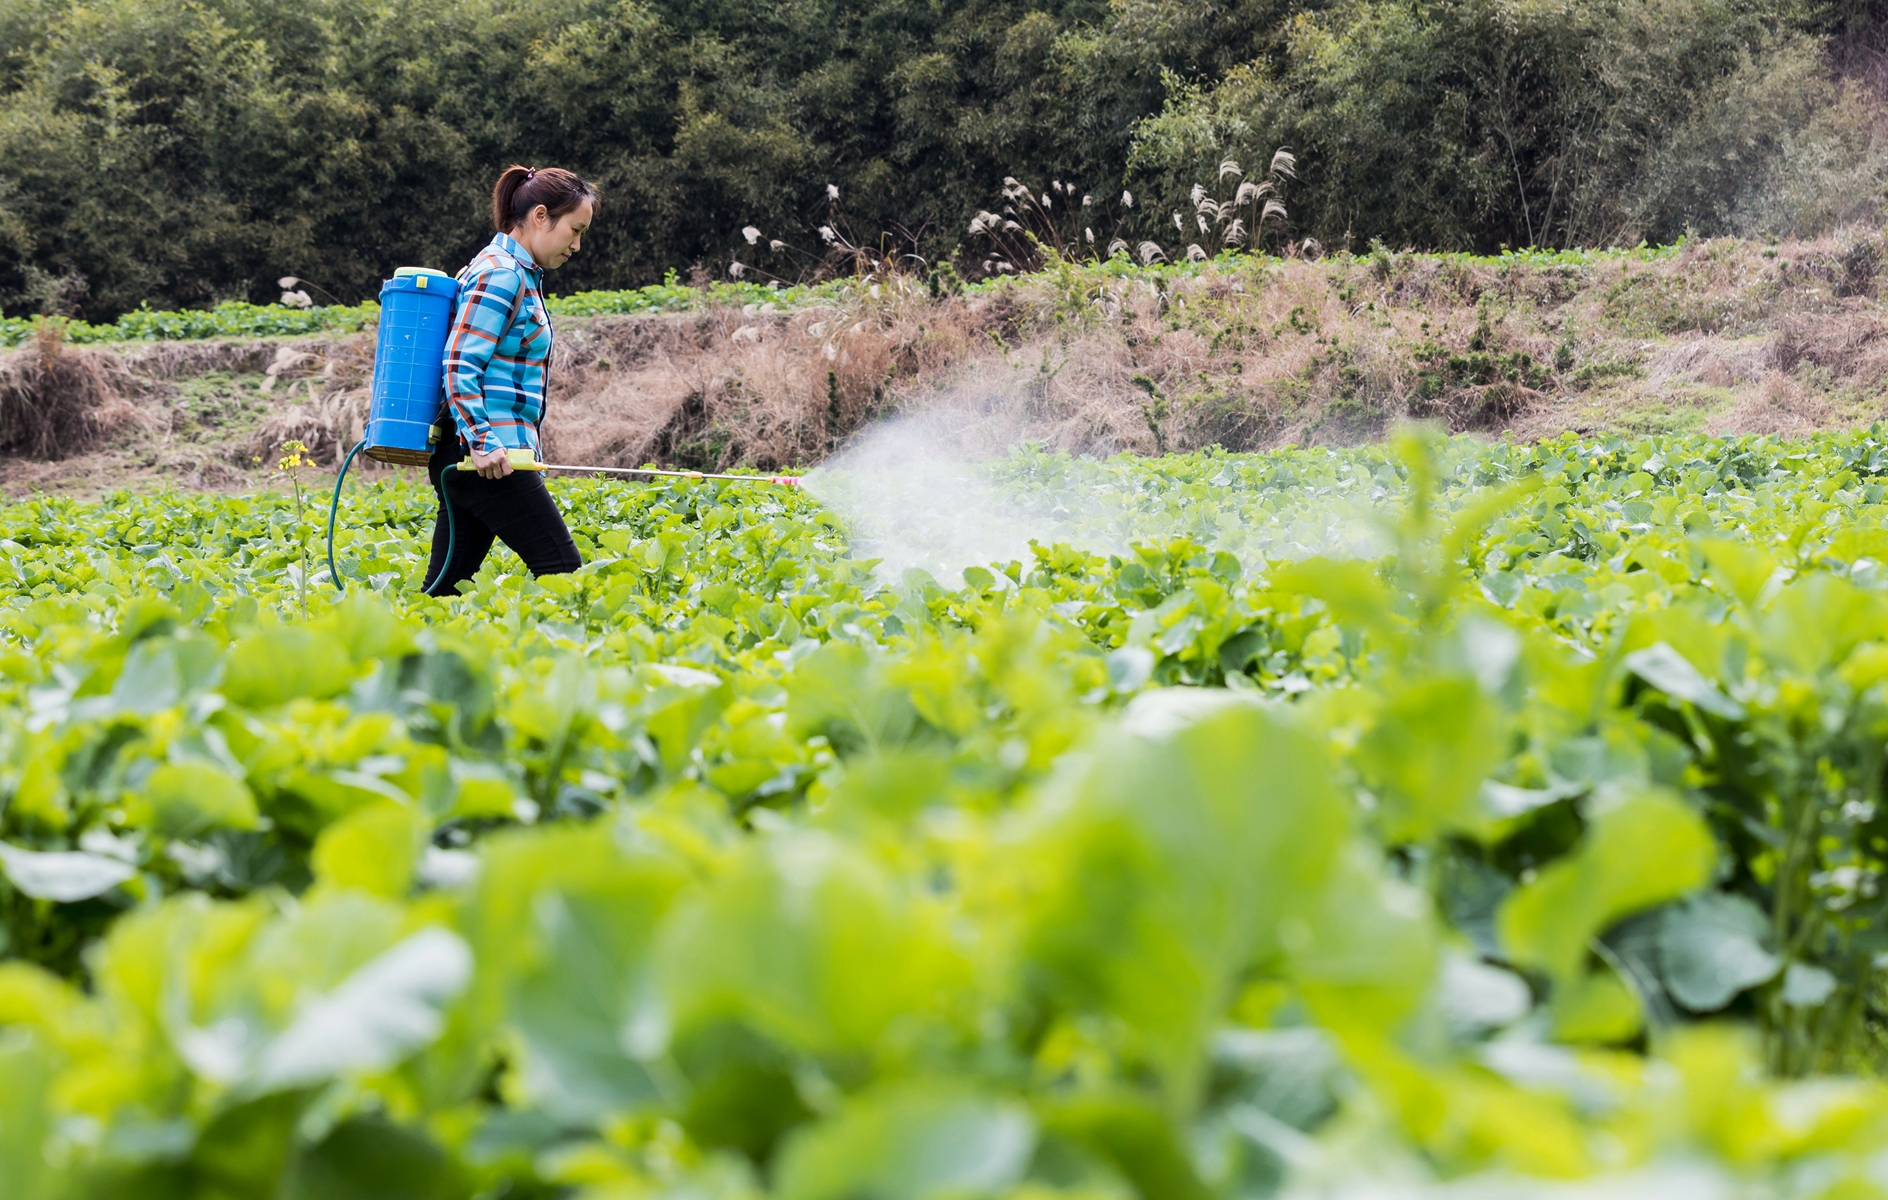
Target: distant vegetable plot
<point x="237" y="319"/>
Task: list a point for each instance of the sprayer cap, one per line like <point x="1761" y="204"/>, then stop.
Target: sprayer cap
<point x="403" y="272"/>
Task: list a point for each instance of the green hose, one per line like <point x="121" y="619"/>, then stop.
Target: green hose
<point x="452" y="532"/>
<point x="334" y="576"/>
<point x="334" y="505"/>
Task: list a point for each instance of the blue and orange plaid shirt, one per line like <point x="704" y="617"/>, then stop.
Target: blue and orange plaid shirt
<point x="499" y="352"/>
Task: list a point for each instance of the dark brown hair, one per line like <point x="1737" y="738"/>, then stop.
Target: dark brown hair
<point x="521" y="189"/>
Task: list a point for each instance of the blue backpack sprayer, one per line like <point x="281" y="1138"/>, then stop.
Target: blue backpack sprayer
<point x="406" y="418"/>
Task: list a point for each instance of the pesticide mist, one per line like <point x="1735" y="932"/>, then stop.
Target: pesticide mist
<point x="945" y="489"/>
<point x="914" y="498"/>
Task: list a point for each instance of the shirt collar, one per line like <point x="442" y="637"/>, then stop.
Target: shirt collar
<point x="510" y="245"/>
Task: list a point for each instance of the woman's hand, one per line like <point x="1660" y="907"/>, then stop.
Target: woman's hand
<point x="492" y="464"/>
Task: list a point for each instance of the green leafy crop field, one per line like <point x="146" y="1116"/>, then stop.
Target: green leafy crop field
<point x="1429" y="819"/>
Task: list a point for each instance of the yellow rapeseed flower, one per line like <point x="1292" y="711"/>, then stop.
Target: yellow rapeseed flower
<point x="296" y="457"/>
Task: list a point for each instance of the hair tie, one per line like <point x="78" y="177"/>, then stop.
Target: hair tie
<point x="530" y="174"/>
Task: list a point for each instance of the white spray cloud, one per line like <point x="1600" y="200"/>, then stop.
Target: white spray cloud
<point x="916" y="493"/>
<point x="922" y="490"/>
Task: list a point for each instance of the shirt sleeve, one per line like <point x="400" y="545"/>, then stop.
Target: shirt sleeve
<point x="484" y="312"/>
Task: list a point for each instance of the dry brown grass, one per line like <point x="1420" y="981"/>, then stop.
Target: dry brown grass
<point x="184" y="360"/>
<point x="1714" y="361"/>
<point x="1852" y="343"/>
<point x="325" y="389"/>
<point x="57" y="400"/>
<point x="1779" y="405"/>
<point x="725" y="386"/>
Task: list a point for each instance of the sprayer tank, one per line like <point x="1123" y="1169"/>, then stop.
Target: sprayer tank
<point x="416" y="308"/>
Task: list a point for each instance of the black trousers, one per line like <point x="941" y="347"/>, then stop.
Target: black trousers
<point x="517" y="510"/>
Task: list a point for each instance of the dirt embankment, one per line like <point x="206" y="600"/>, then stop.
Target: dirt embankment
<point x="1721" y="337"/>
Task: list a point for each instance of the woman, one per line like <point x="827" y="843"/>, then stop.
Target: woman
<point x="497" y="358"/>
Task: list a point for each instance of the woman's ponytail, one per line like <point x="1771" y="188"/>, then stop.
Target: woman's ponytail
<point x="521" y="189"/>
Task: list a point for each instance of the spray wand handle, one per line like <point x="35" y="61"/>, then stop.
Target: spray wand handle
<point x="521" y="460"/>
<point x="782" y="480"/>
<point x="524" y="460"/>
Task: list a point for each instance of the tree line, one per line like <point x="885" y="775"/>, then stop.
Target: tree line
<point x="182" y="152"/>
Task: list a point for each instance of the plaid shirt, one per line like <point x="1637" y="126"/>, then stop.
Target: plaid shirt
<point x="499" y="351"/>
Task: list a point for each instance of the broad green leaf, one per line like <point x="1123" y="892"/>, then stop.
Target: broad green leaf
<point x="811" y="944"/>
<point x="1168" y="866"/>
<point x="1816" y="620"/>
<point x="1293" y="1075"/>
<point x="311" y="801"/>
<point x="369" y="1158"/>
<point x="369" y="630"/>
<point x="1130" y="1133"/>
<point x="380" y="1014"/>
<point x="1740" y="568"/>
<point x="160" y="672"/>
<point x="65" y="876"/>
<point x="681" y="712"/>
<point x="1129" y="669"/>
<point x="1362" y="949"/>
<point x="26" y="1113"/>
<point x="278" y="665"/>
<point x="519" y="866"/>
<point x="274" y="972"/>
<point x="1701" y="638"/>
<point x="1351" y="590"/>
<point x="1639" y="852"/>
<point x="743" y="1093"/>
<point x="482" y="790"/>
<point x="554" y="704"/>
<point x="593" y="1026"/>
<point x="188" y="798"/>
<point x="1432" y="745"/>
<point x="838" y="692"/>
<point x="1597" y="1007"/>
<point x="135" y="971"/>
<point x="1667" y="670"/>
<point x="913" y="1141"/>
<point x="1503" y="587"/>
<point x="1712" y="947"/>
<point x="375" y="849"/>
<point x="891" y="786"/>
<point x="245" y="1148"/>
<point x="1806" y="986"/>
<point x="41" y="799"/>
<point x="1475" y="997"/>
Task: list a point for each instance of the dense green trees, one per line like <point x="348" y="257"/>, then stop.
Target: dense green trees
<point x="1466" y="123"/>
<point x="182" y="151"/>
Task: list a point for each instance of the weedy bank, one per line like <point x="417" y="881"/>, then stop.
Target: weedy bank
<point x="1432" y="819"/>
<point x="1243" y="352"/>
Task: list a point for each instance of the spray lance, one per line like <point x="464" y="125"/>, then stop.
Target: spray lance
<point x="416" y="309"/>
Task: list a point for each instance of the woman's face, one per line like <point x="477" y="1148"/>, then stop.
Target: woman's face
<point x="552" y="241"/>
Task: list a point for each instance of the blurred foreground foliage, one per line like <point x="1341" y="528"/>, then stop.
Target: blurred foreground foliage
<point x="1429" y="819"/>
